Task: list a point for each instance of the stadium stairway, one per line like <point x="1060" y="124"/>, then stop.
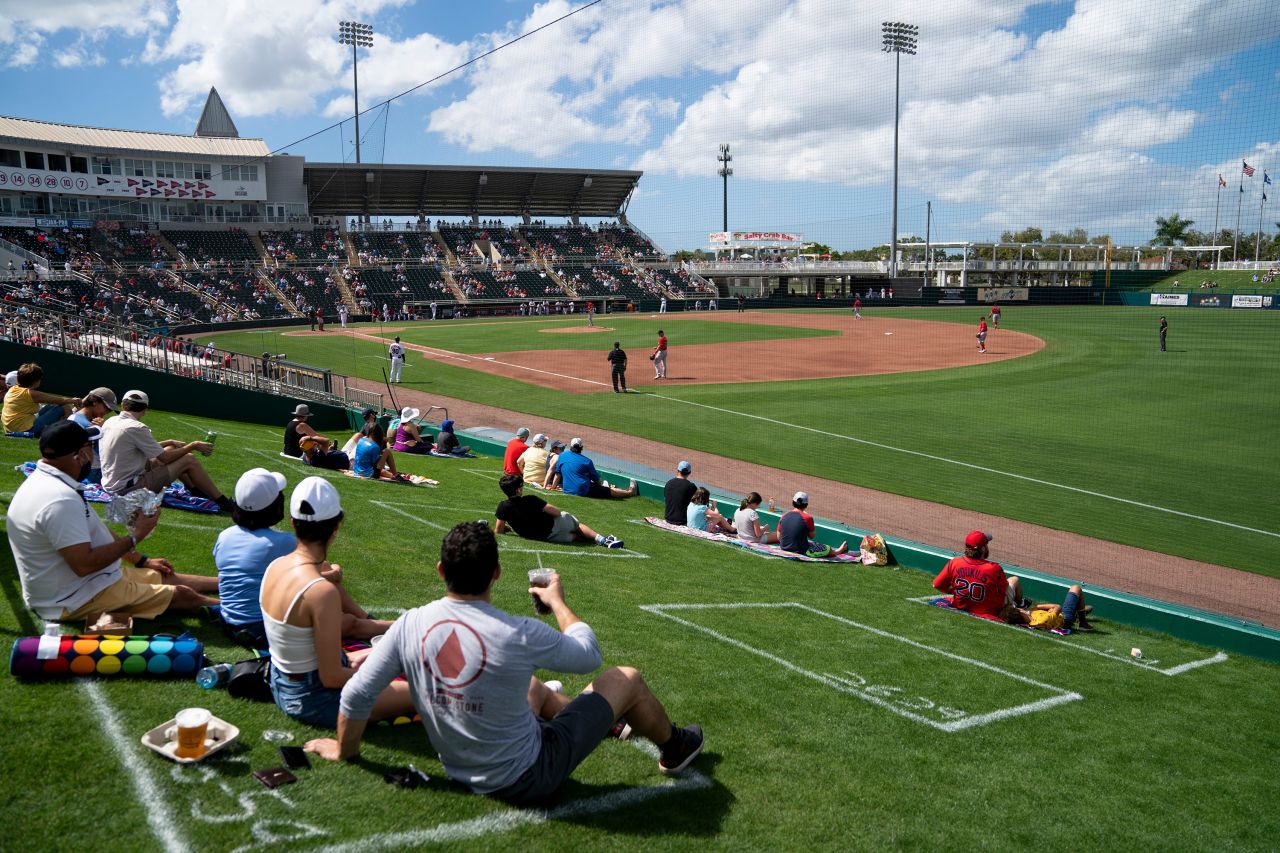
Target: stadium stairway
<point x="275" y="291"/>
<point x="169" y="248"/>
<point x="256" y="242"/>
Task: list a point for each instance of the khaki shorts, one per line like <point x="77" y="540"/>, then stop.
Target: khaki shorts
<point x="139" y="593"/>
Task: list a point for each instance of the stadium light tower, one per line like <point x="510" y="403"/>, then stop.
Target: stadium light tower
<point x="899" y="38"/>
<point x="356" y="35"/>
<point x="725" y="172"/>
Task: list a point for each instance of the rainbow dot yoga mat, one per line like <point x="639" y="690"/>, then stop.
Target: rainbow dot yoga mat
<point x="142" y="656"/>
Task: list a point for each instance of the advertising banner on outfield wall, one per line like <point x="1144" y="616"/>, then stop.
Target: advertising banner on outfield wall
<point x="1245" y="300"/>
<point x="1207" y="300"/>
<point x="1004" y="294"/>
<point x="1168" y="299"/>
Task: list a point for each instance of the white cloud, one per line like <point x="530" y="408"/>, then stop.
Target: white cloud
<point x="27" y="24"/>
<point x="264" y="58"/>
<point x="1139" y="128"/>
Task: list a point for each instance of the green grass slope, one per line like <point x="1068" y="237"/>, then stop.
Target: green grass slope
<point x="820" y="718"/>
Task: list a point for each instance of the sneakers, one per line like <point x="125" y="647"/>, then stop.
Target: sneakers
<point x="1082" y="618"/>
<point x="612" y="542"/>
<point x="633" y="487"/>
<point x="678" y="755"/>
<point x="621" y="730"/>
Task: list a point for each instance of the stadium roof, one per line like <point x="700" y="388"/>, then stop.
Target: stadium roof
<point x="404" y="190"/>
<point x="22" y="131"/>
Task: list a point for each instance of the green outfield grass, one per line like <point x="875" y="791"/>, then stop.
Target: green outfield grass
<point x="1099" y="432"/>
<point x="820" y="718"/>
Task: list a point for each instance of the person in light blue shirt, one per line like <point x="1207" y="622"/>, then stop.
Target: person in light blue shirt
<point x="373" y="460"/>
<point x="578" y="476"/>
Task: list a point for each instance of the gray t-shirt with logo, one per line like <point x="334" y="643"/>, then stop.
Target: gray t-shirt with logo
<point x="468" y="665"/>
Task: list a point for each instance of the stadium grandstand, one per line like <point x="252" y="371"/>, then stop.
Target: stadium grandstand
<point x="153" y="227"/>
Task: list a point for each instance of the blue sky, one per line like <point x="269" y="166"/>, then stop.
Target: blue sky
<point x="1101" y="115"/>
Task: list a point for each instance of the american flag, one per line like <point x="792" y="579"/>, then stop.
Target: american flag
<point x="1248" y="170"/>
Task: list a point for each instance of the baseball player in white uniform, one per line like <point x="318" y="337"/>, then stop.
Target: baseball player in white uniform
<point x="396" y="353"/>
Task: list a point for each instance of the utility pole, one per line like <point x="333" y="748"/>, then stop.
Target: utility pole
<point x="725" y="158"/>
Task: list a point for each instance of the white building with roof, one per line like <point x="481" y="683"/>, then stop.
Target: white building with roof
<point x="52" y="172"/>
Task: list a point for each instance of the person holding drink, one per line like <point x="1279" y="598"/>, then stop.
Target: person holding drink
<point x="496" y="728"/>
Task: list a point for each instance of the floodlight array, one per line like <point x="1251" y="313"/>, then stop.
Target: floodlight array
<point x="355" y="33"/>
<point x="899" y="37"/>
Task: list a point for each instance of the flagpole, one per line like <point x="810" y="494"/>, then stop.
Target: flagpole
<point x="1257" y="243"/>
<point x="1235" y="240"/>
<point x="1217" y="207"/>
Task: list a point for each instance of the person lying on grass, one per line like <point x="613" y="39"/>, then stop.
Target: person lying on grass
<point x="701" y="514"/>
<point x="531" y="517"/>
<point x="469" y="666"/>
<point x="302" y="614"/>
<point x="1073" y="613"/>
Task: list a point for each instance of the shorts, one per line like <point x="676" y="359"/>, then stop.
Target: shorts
<point x="139" y="593"/>
<point x="595" y="490"/>
<point x="306" y="699"/>
<point x="155" y="480"/>
<point x="251" y="635"/>
<point x="567" y="739"/>
<point x="563" y="529"/>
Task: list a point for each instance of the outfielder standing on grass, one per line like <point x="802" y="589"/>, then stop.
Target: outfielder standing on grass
<point x="396" y="353"/>
<point x="659" y="357"/>
<point x="618" y="358"/>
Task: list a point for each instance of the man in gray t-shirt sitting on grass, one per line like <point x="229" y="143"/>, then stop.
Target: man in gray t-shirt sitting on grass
<point x="496" y="728"/>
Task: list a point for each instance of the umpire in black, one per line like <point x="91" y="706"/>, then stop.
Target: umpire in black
<point x="618" y="358"/>
<point x="1164" y="333"/>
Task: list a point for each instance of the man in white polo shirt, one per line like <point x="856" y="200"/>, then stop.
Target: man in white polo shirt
<point x="69" y="562"/>
<point x="133" y="459"/>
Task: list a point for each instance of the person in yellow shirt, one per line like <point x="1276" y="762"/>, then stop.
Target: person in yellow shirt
<point x="1072" y="614"/>
<point x="28" y="409"/>
<point x="533" y="462"/>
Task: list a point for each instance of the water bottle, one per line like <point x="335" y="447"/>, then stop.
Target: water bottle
<point x="212" y="438"/>
<point x="214" y="676"/>
<point x="772" y="505"/>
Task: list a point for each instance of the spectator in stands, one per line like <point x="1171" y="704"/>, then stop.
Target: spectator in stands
<point x="552" y="481"/>
<point x="533" y="518"/>
<point x="133" y="459"/>
<point x="69" y="562"/>
<point x="515" y="448"/>
<point x="409" y="438"/>
<point x="976" y="584"/>
<point x="297" y="429"/>
<point x="303" y="617"/>
<point x="373" y="459"/>
<point x="747" y="521"/>
<point x="530" y="738"/>
<point x="677" y="494"/>
<point x="704" y="515"/>
<point x="579" y="477"/>
<point x="447" y="440"/>
<point x="533" y="462"/>
<point x="94" y="408"/>
<point x="796" y="530"/>
<point x="28" y="409"/>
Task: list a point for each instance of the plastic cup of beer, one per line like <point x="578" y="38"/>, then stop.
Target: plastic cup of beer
<point x="193" y="725"/>
<point x="540" y="577"/>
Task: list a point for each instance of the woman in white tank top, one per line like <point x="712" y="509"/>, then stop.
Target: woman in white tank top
<point x="303" y="615"/>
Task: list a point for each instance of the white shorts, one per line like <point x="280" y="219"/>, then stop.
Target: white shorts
<point x="563" y="528"/>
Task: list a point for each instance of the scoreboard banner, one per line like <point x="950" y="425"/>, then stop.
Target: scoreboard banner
<point x="737" y="238"/>
<point x="1168" y="299"/>
<point x="121" y="186"/>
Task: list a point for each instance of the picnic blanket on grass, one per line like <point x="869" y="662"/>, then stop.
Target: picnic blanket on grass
<point x="767" y="550"/>
<point x="176" y="494"/>
<point x="440" y="455"/>
<point x="412" y="479"/>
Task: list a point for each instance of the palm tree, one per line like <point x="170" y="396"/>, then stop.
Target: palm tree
<point x="1171" y="231"/>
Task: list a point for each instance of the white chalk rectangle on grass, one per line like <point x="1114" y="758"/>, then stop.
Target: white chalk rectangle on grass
<point x="919" y="708"/>
<point x="1149" y="664"/>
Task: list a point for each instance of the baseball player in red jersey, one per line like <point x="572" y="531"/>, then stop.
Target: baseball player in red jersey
<point x="995" y="316"/>
<point x="982" y="334"/>
<point x="976" y="584"/>
<point x="659" y="357"/>
<point x="857" y="308"/>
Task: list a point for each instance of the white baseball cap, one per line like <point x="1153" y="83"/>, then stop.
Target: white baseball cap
<point x="539" y="439"/>
<point x="11" y="378"/>
<point x="258" y="489"/>
<point x="136" y="396"/>
<point x="800" y="498"/>
<point x="314" y="499"/>
<point x="575" y="443"/>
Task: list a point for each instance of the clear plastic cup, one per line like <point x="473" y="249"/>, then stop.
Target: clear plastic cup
<point x="541" y="578"/>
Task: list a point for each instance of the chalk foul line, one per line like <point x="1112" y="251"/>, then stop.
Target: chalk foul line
<point x="983" y="468"/>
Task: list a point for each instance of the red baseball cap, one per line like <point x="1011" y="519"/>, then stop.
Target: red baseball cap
<point x="976" y="539"/>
